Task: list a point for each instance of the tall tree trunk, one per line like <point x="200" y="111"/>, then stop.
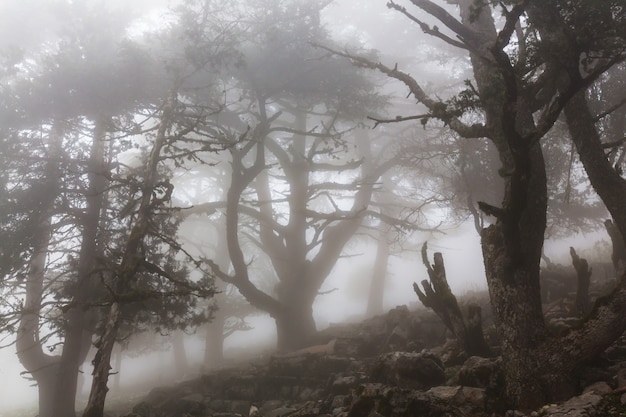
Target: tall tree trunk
<point x="214" y="342"/>
<point x="215" y="331"/>
<point x="379" y="272"/>
<point x="131" y="264"/>
<point x="181" y="363"/>
<point x="80" y="318"/>
<point x="512" y="246"/>
<point x="117" y="368"/>
<point x="42" y="367"/>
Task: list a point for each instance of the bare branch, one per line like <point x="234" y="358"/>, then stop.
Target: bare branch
<point x="436" y="107"/>
<point x="434" y="31"/>
<point x="462" y="31"/>
<point x="610" y="110"/>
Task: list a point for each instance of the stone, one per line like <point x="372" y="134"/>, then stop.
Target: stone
<point x="240" y="407"/>
<point x="270" y="405"/>
<point x="310" y="364"/>
<point x="581" y="406"/>
<point x="409" y="370"/>
<point x="459" y="395"/>
<point x="600" y="387"/>
<point x="340" y="401"/>
<point x="343" y="384"/>
<point x="279" y="412"/>
<point x="480" y="372"/>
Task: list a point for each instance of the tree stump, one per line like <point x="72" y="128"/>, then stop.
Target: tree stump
<point x="583" y="274"/>
<point x="438" y="296"/>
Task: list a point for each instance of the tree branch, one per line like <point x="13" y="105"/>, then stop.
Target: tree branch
<point x="436" y="107"/>
<point x="434" y="31"/>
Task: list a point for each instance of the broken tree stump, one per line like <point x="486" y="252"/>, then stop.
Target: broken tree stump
<point x="583" y="275"/>
<point x="438" y="296"/>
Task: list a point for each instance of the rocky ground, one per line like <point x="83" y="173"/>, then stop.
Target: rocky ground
<point x="398" y="364"/>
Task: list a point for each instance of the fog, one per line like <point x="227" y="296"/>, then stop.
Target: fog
<point x="32" y="29"/>
<point x="347" y="303"/>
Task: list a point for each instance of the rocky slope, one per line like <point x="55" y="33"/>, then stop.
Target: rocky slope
<point x="399" y="364"/>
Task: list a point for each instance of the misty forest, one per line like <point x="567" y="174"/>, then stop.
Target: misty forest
<point x="312" y="208"/>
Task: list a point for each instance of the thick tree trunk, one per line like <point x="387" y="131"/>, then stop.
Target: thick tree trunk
<point x="521" y="329"/>
<point x="295" y="328"/>
<point x="512" y="246"/>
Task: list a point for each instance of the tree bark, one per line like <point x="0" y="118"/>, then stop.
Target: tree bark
<point x="295" y="327"/>
<point x="102" y="364"/>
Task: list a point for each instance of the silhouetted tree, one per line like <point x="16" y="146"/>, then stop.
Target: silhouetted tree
<point x="518" y="92"/>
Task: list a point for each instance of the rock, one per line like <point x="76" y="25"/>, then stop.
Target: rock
<point x="598" y="388"/>
<point x="408" y="370"/>
<point x="584" y="405"/>
<point x="343" y="384"/>
<point x="480" y="372"/>
<point x="340" y="401"/>
<point x="279" y="412"/>
<point x="459" y="395"/>
<point x="309" y="364"/>
<point x="310" y="409"/>
<point x="399" y="336"/>
<point x="240" y="407"/>
<point x="268" y="406"/>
